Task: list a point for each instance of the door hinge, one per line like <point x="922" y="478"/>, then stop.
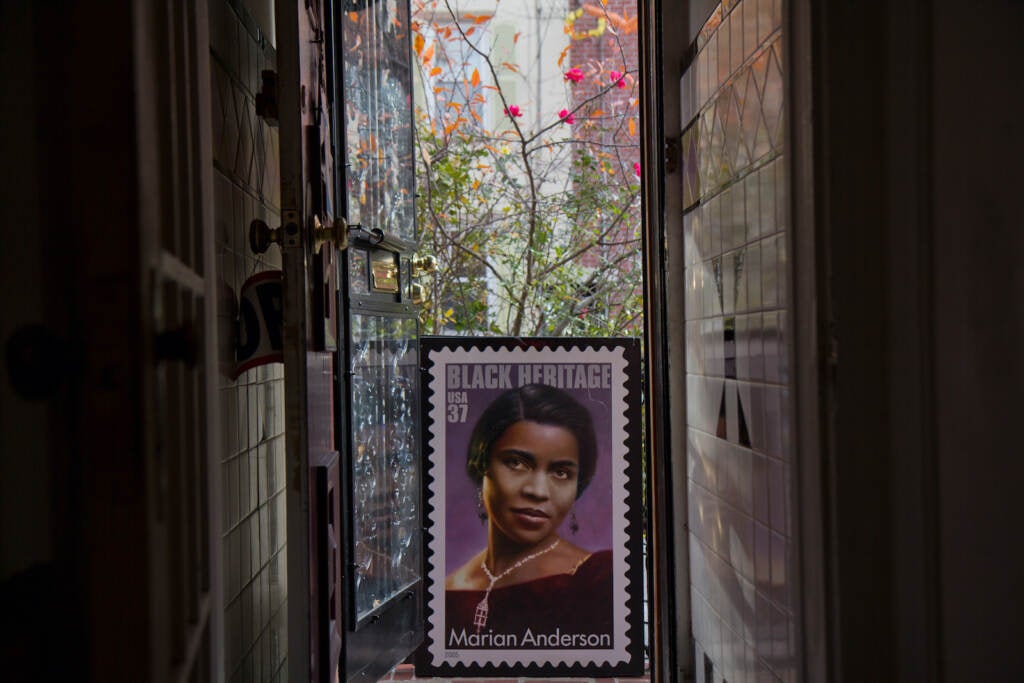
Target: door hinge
<point x="671" y="155"/>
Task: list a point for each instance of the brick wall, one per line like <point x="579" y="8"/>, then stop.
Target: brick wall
<point x="616" y="49"/>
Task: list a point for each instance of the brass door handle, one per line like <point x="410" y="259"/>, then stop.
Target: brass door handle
<point x="261" y="235"/>
<point x="335" y="233"/>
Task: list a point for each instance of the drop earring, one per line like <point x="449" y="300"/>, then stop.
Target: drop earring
<point x="574" y="526"/>
<point x="480" y="511"/>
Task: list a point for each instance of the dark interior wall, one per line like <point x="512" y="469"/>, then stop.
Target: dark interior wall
<point x="67" y="206"/>
<point x="918" y="143"/>
<point x="30" y="429"/>
<point x="977" y="146"/>
<point x="25" y="535"/>
<point x="38" y="536"/>
<point x="852" y="219"/>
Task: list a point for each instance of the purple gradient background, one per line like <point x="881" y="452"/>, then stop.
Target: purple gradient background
<point x="465" y="535"/>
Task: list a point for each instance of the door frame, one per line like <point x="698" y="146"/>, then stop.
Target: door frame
<point x="295" y="335"/>
<point x="660" y="494"/>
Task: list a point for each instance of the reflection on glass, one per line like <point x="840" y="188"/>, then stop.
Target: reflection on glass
<point x="385" y="476"/>
<point x="378" y="118"/>
<point x="357" y="277"/>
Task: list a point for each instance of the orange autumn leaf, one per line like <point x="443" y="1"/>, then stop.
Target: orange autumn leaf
<point x="450" y="127"/>
<point x="491" y="87"/>
<point x="428" y="54"/>
<point x="477" y="117"/>
<point x="435" y="71"/>
<point x="597" y="112"/>
<point x="475" y="79"/>
<point x="440" y="89"/>
<point x="481" y="19"/>
<point x="470" y="31"/>
<point x="565" y="52"/>
<point x="632" y="126"/>
<point x="510" y="67"/>
<point x="621" y="23"/>
<point x="515" y="38"/>
<point x="353" y="17"/>
<point x="455" y="105"/>
<point x="417" y="44"/>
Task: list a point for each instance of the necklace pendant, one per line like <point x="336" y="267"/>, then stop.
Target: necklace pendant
<point x="480" y="616"/>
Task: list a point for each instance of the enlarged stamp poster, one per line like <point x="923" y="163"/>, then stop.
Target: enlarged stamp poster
<point x="534" y="507"/>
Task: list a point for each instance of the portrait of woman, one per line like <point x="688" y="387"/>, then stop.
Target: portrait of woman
<point x="532" y="453"/>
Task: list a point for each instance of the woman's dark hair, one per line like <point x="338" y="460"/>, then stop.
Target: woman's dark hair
<point x="536" y="403"/>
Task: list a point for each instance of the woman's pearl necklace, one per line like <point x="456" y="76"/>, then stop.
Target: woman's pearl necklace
<point x="480" y="617"/>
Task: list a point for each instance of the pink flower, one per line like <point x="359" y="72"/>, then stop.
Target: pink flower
<point x="574" y="74"/>
<point x="512" y="111"/>
<point x="619" y="79"/>
<point x="567" y="116"/>
<point x="636" y="168"/>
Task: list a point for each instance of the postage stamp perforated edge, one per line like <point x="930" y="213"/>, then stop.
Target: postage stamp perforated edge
<point x="439" y="653"/>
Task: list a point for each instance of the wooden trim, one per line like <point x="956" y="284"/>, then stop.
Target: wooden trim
<point x="204" y="174"/>
<point x="911" y="350"/>
<point x="661" y="538"/>
<point x="290" y="68"/>
<point x="809" y="353"/>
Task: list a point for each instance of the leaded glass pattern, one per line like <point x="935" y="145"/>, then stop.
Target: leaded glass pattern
<point x="378" y="118"/>
<point x="735" y="194"/>
<point x="358" y="272"/>
<point x="385" y="469"/>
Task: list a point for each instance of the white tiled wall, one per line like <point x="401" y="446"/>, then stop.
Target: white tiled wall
<point x="246" y="186"/>
<point x="738" y="380"/>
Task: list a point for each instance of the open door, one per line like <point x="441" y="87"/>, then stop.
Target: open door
<point x="350" y="336"/>
<point x="383" y="584"/>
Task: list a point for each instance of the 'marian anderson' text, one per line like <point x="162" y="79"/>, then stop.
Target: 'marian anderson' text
<point x="528" y="640"/>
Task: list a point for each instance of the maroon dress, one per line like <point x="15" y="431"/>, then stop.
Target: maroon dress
<point x="574" y="610"/>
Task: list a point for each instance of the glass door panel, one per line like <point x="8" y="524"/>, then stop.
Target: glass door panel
<point x="377" y="71"/>
<point x="385" y="459"/>
<point x="384" y="584"/>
